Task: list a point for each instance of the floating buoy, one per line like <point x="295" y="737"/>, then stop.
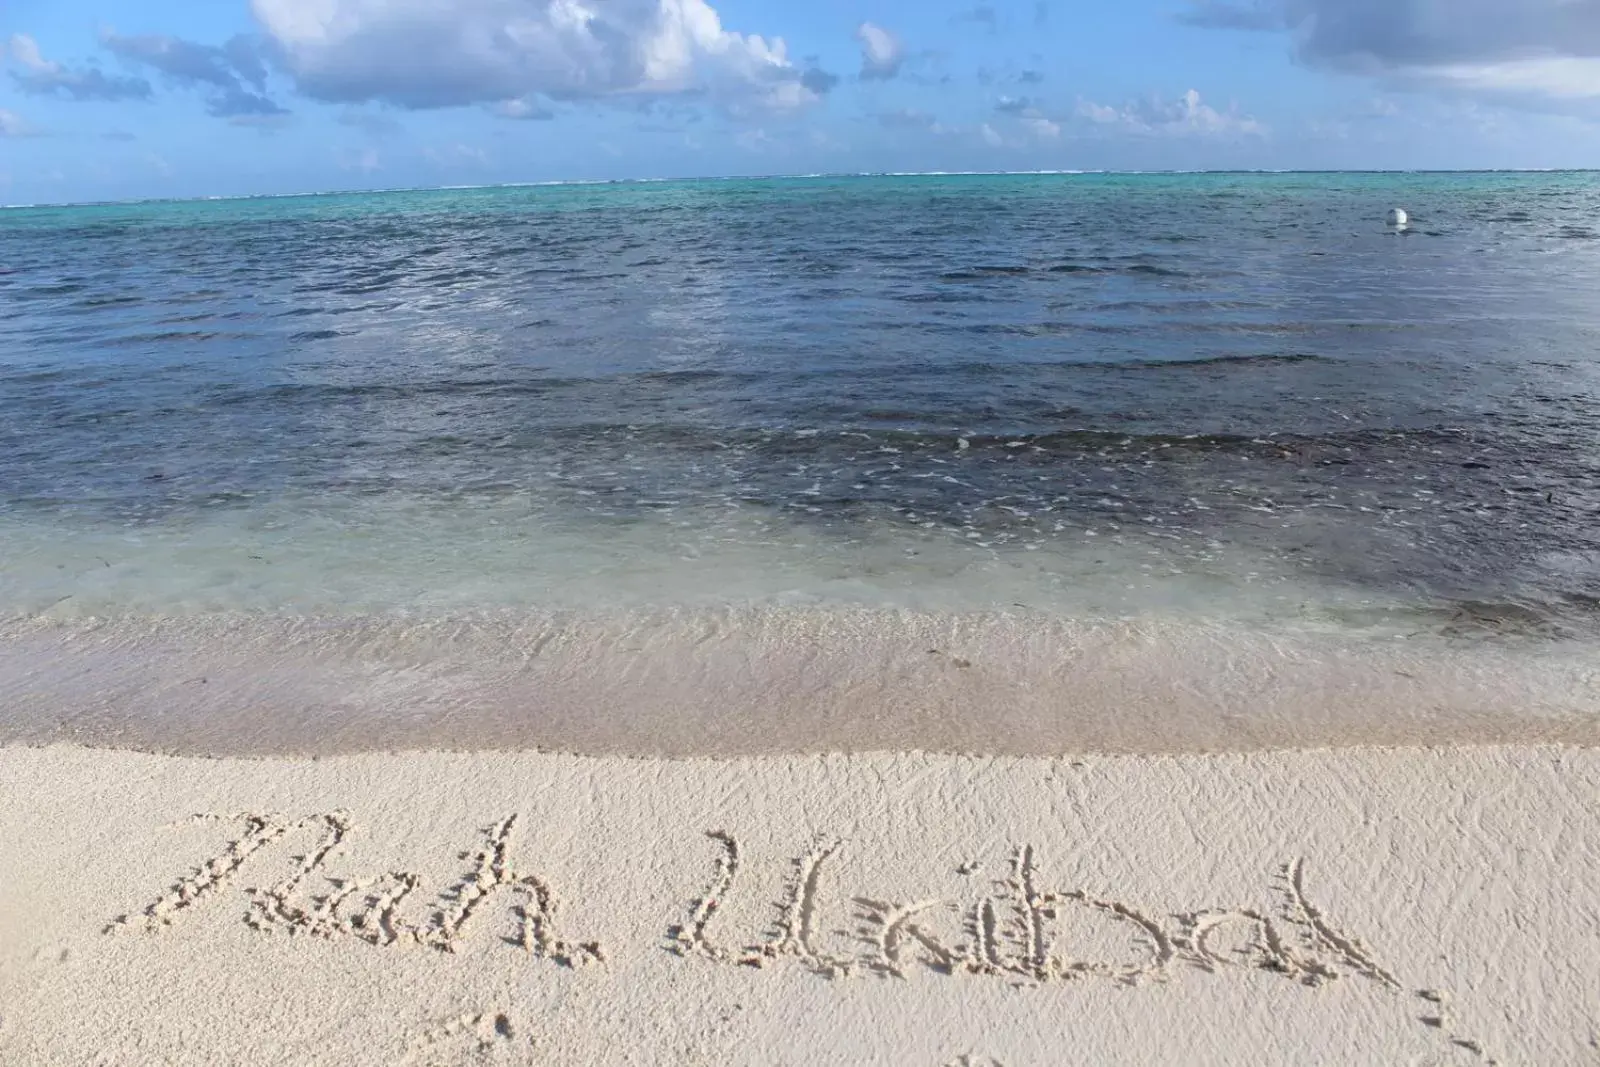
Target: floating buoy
<point x="1398" y="218"/>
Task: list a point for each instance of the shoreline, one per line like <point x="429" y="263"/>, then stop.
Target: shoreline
<point x="1358" y="905"/>
<point x="750" y="682"/>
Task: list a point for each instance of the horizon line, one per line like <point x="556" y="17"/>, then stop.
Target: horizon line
<point x="809" y="176"/>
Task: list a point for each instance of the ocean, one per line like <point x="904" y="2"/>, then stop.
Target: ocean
<point x="721" y="425"/>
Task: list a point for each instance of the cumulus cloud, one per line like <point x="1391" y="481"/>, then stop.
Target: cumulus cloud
<point x="183" y="61"/>
<point x="11" y="124"/>
<point x="1188" y="115"/>
<point x="44" y="77"/>
<point x="1029" y="129"/>
<point x="1042" y="128"/>
<point x="423" y="54"/>
<point x="882" y="53"/>
<point x="1534" y="50"/>
<point x="233" y="74"/>
<point x="523" y="110"/>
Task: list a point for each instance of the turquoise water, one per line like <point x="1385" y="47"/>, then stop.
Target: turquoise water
<point x="988" y="463"/>
<point x="1097" y="395"/>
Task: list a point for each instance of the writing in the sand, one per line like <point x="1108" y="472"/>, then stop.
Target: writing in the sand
<point x="1013" y="928"/>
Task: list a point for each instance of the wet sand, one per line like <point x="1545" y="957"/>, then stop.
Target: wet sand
<point x="764" y="681"/>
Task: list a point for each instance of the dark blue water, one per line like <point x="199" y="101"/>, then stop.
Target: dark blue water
<point x="1108" y="394"/>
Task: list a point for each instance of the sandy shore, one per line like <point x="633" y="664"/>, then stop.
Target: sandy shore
<point x="771" y="682"/>
<point x="1354" y="906"/>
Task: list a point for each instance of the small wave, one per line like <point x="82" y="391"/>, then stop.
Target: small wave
<point x="1253" y="360"/>
<point x="109" y="301"/>
<point x="173" y="337"/>
<point x="1146" y="269"/>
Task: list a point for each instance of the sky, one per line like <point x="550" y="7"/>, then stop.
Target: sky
<point x="124" y="99"/>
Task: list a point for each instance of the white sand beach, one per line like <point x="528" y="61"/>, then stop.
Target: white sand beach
<point x="1408" y="906"/>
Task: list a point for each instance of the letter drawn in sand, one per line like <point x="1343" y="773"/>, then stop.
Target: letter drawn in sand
<point x="1322" y="934"/>
<point x="1020" y="944"/>
<point x="260" y="830"/>
<point x="891" y="928"/>
<point x="691" y="940"/>
<point x="797" y="916"/>
<point x="367" y="909"/>
<point x="1261" y="945"/>
<point x="536" y="908"/>
<point x="1014" y="929"/>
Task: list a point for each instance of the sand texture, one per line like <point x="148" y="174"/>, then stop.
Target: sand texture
<point x="759" y="682"/>
<point x="1356" y="906"/>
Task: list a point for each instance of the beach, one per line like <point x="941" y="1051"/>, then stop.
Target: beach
<point x="1363" y="905"/>
<point x="759" y="680"/>
<point x="949" y="620"/>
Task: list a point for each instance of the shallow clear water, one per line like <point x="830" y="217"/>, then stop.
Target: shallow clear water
<point x="1233" y="401"/>
<point x="1101" y="394"/>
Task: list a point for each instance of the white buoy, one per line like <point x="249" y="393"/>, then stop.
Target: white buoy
<point x="1398" y="219"/>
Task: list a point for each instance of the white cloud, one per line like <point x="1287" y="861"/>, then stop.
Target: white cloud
<point x="882" y="53"/>
<point x="44" y="77"/>
<point x="1042" y="128"/>
<point x="11" y="124"/>
<point x="523" y="109"/>
<point x="1540" y="52"/>
<point x="422" y="54"/>
<point x="1101" y="114"/>
<point x="232" y="75"/>
<point x="991" y="136"/>
<point x="25" y="50"/>
<point x="1188" y="115"/>
<point x="1556" y="78"/>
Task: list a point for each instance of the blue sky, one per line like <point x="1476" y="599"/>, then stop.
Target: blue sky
<point x="111" y="99"/>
